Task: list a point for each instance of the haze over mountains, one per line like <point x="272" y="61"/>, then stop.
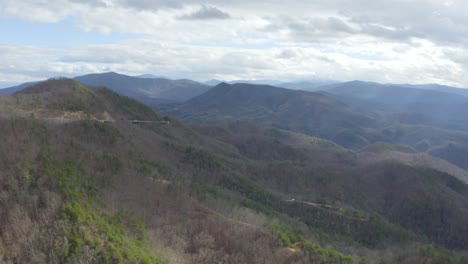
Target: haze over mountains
<point x="306" y="85"/>
<point x="233" y="132"/>
<point x="76" y="172"/>
<point x="429" y="118"/>
<point x="154" y="87"/>
<point x="14" y="89"/>
<point x="431" y="107"/>
<point x="301" y="111"/>
<point x="147" y="88"/>
<point x="368" y="113"/>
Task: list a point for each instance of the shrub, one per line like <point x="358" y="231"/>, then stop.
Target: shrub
<point x="313" y="253"/>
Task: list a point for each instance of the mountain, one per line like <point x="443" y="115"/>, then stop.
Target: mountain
<point x="260" y="82"/>
<point x="215" y="82"/>
<point x="438" y="87"/>
<point x="308" y="85"/>
<point x="391" y="97"/>
<point x="301" y="111"/>
<point x="380" y="177"/>
<point x="323" y="115"/>
<point x="453" y="151"/>
<point x="149" y="76"/>
<point x="148" y="90"/>
<point x="212" y="82"/>
<point x="416" y="106"/>
<point x="81" y="183"/>
<point x="7" y="84"/>
<point x="14" y="89"/>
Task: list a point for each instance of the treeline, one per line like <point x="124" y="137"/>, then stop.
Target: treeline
<point x="371" y="232"/>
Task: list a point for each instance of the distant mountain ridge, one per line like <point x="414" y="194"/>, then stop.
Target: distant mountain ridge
<point x="324" y="115"/>
<point x="7" y="84"/>
<point x="154" y="89"/>
<point x="150" y="76"/>
<point x="150" y="90"/>
<point x="147" y="90"/>
<point x="306" y="85"/>
<point x="14" y="89"/>
<point x="306" y="112"/>
<point x="266" y="189"/>
<point x="436" y="107"/>
<point x="438" y="87"/>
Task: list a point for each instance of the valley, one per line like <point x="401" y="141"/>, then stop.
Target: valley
<point x="238" y="174"/>
<point x="233" y="132"/>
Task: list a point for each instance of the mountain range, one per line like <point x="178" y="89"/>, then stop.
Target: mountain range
<point x="306" y="85"/>
<point x="301" y="111"/>
<point x="149" y="89"/>
<point x="429" y="118"/>
<point x="82" y="183"/>
<point x="423" y="106"/>
<point x="14" y="89"/>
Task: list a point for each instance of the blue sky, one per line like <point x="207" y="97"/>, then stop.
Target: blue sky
<point x="18" y="32"/>
<point x="418" y="41"/>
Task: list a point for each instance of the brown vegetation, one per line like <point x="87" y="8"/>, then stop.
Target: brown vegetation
<point x="208" y="197"/>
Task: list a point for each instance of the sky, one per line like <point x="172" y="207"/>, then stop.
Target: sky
<point x="398" y="41"/>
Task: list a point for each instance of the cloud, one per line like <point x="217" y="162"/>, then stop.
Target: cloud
<point x="387" y="41"/>
<point x="151" y="4"/>
<point x="92" y="3"/>
<point x="426" y="63"/>
<point x="400" y="20"/>
<point x="287" y="54"/>
<point x="318" y="29"/>
<point x="35" y="11"/>
<point x="206" y="12"/>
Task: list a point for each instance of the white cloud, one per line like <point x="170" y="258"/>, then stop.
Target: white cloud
<point x="387" y="41"/>
<point x="206" y="12"/>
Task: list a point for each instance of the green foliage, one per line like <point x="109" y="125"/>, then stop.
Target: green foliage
<point x="372" y="231"/>
<point x="201" y="159"/>
<point x="288" y="236"/>
<point x="257" y="207"/>
<point x="428" y="213"/>
<point x="437" y="254"/>
<point x="83" y="89"/>
<point x="151" y="168"/>
<point x="250" y="190"/>
<point x="68" y="105"/>
<point x="24" y="173"/>
<point x="100" y="133"/>
<point x="382" y="147"/>
<point x="89" y="234"/>
<point x="107" y="235"/>
<point x="432" y="177"/>
<point x="463" y="260"/>
<point x="314" y="253"/>
<point x="204" y="189"/>
<point x="136" y="109"/>
<point x="350" y="139"/>
<point x="69" y="180"/>
<point x="110" y="162"/>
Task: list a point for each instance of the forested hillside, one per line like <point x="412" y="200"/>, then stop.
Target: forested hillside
<point x="80" y="183"/>
<point x="355" y="125"/>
